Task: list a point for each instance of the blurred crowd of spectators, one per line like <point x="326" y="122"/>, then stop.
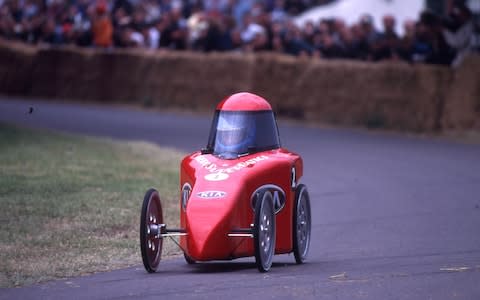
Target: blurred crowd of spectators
<point x="235" y="25"/>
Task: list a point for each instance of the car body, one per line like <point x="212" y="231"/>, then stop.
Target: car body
<point x="222" y="195"/>
<point x="240" y="196"/>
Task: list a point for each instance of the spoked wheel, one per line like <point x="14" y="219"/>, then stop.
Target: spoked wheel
<point x="302" y="224"/>
<point x="151" y="225"/>
<point x="264" y="232"/>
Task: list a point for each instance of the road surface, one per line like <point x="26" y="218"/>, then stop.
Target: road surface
<point x="393" y="217"/>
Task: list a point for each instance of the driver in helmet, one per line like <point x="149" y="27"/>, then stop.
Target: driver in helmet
<point x="243" y="124"/>
<point x="235" y="132"/>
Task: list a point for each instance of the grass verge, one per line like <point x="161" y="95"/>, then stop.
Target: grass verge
<point x="71" y="205"/>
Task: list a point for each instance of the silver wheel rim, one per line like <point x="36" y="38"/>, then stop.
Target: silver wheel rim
<point x="266" y="235"/>
<point x="154" y="243"/>
<point x="303" y="225"/>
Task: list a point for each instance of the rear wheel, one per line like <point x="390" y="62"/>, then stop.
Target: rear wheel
<point x="151" y="225"/>
<point x="264" y="232"/>
<point x="302" y="224"/>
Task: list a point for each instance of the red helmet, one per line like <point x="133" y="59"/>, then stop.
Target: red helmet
<point x="244" y="101"/>
<point x="243" y="124"/>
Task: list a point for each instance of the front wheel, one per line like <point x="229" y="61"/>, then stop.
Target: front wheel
<point x="302" y="224"/>
<point x="151" y="224"/>
<point x="264" y="232"/>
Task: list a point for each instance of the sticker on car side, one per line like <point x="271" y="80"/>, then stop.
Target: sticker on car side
<point x="216" y="176"/>
<point x="279" y="197"/>
<point x="211" y="194"/>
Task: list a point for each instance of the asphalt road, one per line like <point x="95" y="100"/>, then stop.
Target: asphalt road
<point x="393" y="217"/>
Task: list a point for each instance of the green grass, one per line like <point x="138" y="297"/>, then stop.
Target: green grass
<point x="70" y="205"/>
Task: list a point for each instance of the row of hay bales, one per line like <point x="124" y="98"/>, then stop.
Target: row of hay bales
<point x="396" y="96"/>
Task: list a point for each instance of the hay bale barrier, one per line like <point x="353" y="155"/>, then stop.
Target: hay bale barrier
<point x="15" y="65"/>
<point x="419" y="98"/>
<point x="462" y="102"/>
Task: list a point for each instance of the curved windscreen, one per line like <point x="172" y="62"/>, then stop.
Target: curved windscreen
<point x="237" y="133"/>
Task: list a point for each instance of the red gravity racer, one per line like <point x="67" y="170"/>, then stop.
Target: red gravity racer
<point x="240" y="196"/>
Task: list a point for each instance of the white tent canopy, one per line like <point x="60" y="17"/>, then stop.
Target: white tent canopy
<point x="351" y="11"/>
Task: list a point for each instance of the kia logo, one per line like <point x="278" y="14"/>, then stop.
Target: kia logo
<point x="211" y="194"/>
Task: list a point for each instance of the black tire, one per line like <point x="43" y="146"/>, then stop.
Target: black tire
<point x="302" y="224"/>
<point x="264" y="232"/>
<point x="188" y="259"/>
<point x="151" y="242"/>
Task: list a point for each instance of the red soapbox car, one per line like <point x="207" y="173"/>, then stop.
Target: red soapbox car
<point x="240" y="196"/>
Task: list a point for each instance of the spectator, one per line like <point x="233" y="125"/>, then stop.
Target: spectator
<point x="151" y="37"/>
<point x="218" y="7"/>
<point x="7" y="21"/>
<point x="309" y="31"/>
<point x="330" y="49"/>
<point x="294" y="43"/>
<point x="152" y="11"/>
<point x="235" y="25"/>
<point x="406" y="44"/>
<point x="219" y="35"/>
<point x="278" y="12"/>
<point x="240" y="8"/>
<point x="367" y="37"/>
<point x="347" y="42"/>
<point x="431" y="35"/>
<point x="132" y="38"/>
<point x="387" y="43"/>
<point x="174" y="32"/>
<point x="125" y="5"/>
<point x="138" y="21"/>
<point x="198" y="26"/>
<point x="252" y="33"/>
<point x="294" y="7"/>
<point x="120" y="22"/>
<point x="422" y="49"/>
<point x="276" y="32"/>
<point x="458" y="31"/>
<point x="102" y="27"/>
<point x="48" y="33"/>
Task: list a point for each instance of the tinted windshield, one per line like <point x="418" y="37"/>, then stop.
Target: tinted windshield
<point x="236" y="133"/>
